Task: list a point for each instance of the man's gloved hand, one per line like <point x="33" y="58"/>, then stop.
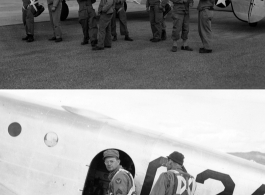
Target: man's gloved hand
<point x="147" y="9"/>
<point x="53" y="9"/>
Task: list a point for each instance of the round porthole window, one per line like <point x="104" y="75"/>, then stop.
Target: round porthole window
<point x="14" y="129"/>
<point x="51" y="139"/>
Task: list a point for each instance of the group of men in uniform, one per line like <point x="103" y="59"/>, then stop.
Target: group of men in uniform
<point x="168" y="183"/>
<point x="181" y="17"/>
<point x="100" y="36"/>
<point x="108" y="10"/>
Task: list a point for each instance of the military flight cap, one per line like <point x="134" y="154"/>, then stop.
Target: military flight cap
<point x="177" y="157"/>
<point x="111" y="153"/>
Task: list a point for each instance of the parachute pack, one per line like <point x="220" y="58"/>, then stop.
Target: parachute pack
<point x="35" y="8"/>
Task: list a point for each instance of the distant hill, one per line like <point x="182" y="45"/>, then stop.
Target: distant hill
<point x="258" y="157"/>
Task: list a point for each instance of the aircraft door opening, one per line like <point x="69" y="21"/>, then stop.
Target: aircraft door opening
<point x="97" y="177"/>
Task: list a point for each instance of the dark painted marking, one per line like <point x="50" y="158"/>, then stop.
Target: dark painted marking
<point x="260" y="190"/>
<point x="150" y="174"/>
<point x="224" y="178"/>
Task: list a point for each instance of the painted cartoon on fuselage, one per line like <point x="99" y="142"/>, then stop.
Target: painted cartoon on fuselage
<point x="50" y="150"/>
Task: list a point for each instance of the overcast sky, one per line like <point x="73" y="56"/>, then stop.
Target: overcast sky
<point x="227" y="120"/>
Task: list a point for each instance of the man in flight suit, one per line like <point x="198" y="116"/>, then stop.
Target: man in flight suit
<point x="105" y="10"/>
<point x="87" y="19"/>
<point x="205" y="8"/>
<point x="181" y="20"/>
<point x="121" y="181"/>
<point x="155" y="9"/>
<point x="28" y="21"/>
<point x="119" y="10"/>
<point x="166" y="10"/>
<point x="55" y="8"/>
<point x="168" y="182"/>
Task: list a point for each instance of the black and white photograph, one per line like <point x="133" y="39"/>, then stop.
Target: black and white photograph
<point x="127" y="142"/>
<point x="132" y="97"/>
<point x="132" y="44"/>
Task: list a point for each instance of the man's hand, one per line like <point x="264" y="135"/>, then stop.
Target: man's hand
<point x="53" y="9"/>
<point x="147" y="9"/>
<point x="162" y="8"/>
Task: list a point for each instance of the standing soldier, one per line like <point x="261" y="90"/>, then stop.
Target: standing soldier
<point x="175" y="180"/>
<point x="121" y="181"/>
<point x="105" y="10"/>
<point x="155" y="9"/>
<point x="181" y="20"/>
<point x="28" y="21"/>
<point x="87" y="19"/>
<point x="55" y="8"/>
<point x="205" y="8"/>
<point x="165" y="13"/>
<point x="119" y="10"/>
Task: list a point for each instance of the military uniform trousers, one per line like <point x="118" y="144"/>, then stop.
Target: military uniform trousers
<point x="88" y="21"/>
<point x="204" y="27"/>
<point x="28" y="21"/>
<point x="120" y="12"/>
<point x="180" y="25"/>
<point x="104" y="32"/>
<point x="164" y="27"/>
<point x="55" y="20"/>
<point x="156" y="20"/>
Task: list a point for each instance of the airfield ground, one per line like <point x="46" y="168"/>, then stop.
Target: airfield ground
<point x="237" y="61"/>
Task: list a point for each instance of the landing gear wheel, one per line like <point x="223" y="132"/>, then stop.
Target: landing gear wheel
<point x="65" y="11"/>
<point x="253" y="24"/>
<point x="125" y="6"/>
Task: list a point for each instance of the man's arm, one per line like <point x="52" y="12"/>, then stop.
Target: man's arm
<point x="120" y="184"/>
<point x="55" y="3"/>
<point x="163" y="3"/>
<point x="147" y="5"/>
<point x="107" y="5"/>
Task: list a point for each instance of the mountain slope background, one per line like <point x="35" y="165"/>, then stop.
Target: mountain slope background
<point x="258" y="157"/>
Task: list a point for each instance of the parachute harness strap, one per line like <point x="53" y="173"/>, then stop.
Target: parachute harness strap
<point x="132" y="190"/>
<point x="33" y="2"/>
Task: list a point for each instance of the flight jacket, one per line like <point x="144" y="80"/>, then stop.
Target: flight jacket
<point x="54" y="2"/>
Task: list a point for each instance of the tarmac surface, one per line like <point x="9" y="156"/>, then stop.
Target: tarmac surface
<point x="237" y="61"/>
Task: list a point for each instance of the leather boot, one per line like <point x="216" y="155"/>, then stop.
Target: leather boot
<point x="31" y="38"/>
<point x="114" y="38"/>
<point x="127" y="38"/>
<point x="25" y="38"/>
<point x="164" y="35"/>
<point x="84" y="42"/>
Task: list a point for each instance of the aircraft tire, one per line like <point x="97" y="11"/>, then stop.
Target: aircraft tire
<point x="65" y="11"/>
<point x="253" y="24"/>
<point x="125" y="5"/>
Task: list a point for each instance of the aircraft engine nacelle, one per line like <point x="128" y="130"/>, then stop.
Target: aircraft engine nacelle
<point x="222" y="3"/>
